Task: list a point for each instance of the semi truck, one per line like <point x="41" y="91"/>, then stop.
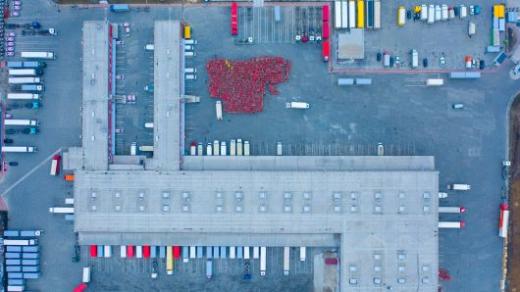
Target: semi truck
<point x="303" y="253"/>
<point x="25" y="72"/>
<point x="30" y="87"/>
<point x="503" y="223"/>
<point x="297" y="105"/>
<point x="21" y="122"/>
<point x="24" y="80"/>
<point x="86" y="275"/>
<point x="434" y="82"/>
<point x="451" y="224"/>
<point x="360" y="14"/>
<point x="459" y="187"/>
<point x="344" y="14"/>
<point x="401" y="16"/>
<point x="61" y="210"/>
<point x="286" y="256"/>
<point x="325" y="50"/>
<point x="377" y="14"/>
<point x="209" y="269"/>
<point x="452" y="210"/>
<point x="23" y="96"/>
<point x="337" y="14"/>
<point x="351" y="14"/>
<point x="20" y="242"/>
<point x="26" y="64"/>
<point x="38" y="55"/>
<point x="19" y="149"/>
<point x="218" y="109"/>
<point x="55" y="165"/>
<point x="263" y="260"/>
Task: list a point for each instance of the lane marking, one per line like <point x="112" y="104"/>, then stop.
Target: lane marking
<point x="4" y="193"/>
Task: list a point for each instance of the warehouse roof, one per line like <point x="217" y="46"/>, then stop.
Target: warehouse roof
<point x="95" y="95"/>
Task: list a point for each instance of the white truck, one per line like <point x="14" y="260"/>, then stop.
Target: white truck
<point x="434" y="82"/>
<point x="240" y="149"/>
<point x="24" y="80"/>
<point x="86" y="275"/>
<point x="38" y="55"/>
<point x="218" y="109"/>
<point x="263" y="260"/>
<point x="286" y="256"/>
<point x="451" y="224"/>
<point x="232" y="148"/>
<point x="22" y="242"/>
<point x="247" y="148"/>
<point x="24" y="72"/>
<point x="61" y="210"/>
<point x="297" y="105"/>
<point x="459" y="187"/>
<point x="20" y="122"/>
<point x="19" y="149"/>
<point x="415" y="58"/>
<point x="472" y="29"/>
<point x="303" y="253"/>
<point x="431" y="14"/>
<point x="452" y="210"/>
<point x="23" y="96"/>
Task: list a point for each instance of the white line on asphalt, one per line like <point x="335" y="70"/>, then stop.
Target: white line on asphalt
<point x="30" y="172"/>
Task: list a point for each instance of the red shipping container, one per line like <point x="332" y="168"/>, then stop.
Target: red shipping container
<point x="234" y="18"/>
<point x="325" y="13"/>
<point x="331" y="261"/>
<point x="325" y="50"/>
<point x="326" y="30"/>
<point x="93" y="251"/>
<point x="176" y="252"/>
<point x="146" y="251"/>
<point x="130" y="251"/>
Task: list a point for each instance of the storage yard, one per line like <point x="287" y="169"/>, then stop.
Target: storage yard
<point x="229" y="147"/>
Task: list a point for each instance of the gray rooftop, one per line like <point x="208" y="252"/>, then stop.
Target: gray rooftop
<point x="167" y="95"/>
<point x="95" y="95"/>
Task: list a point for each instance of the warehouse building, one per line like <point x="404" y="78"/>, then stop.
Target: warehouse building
<point x="379" y="211"/>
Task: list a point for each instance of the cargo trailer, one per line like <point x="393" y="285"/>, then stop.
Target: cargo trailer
<point x="344" y="14"/>
<point x="337" y="14"/>
<point x="352" y="14"/>
<point x="38" y="55"/>
<point x="263" y="260"/>
<point x="25" y="72"/>
<point x="19" y="149"/>
<point x="23" y="80"/>
<point x="451" y="224"/>
<point x="286" y="257"/>
<point x="23" y="96"/>
<point x="377" y="14"/>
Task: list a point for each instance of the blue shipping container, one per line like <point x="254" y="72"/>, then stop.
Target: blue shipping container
<point x="12" y="255"/>
<point x="11" y="233"/>
<point x="12" y="262"/>
<point x="30" y="255"/>
<point x="31" y="275"/>
<point x="13" y="269"/>
<point x="13" y="248"/>
<point x="33" y="248"/>
<point x="30" y="262"/>
<point x="15" y="282"/>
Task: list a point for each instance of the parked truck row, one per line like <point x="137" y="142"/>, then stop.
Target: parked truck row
<point x="22" y="257"/>
<point x="186" y="253"/>
<point x="357" y="14"/>
<point x="236" y="148"/>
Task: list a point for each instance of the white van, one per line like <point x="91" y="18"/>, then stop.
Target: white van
<point x="190" y="42"/>
<point x="189" y="54"/>
<point x="297" y="105"/>
<point x="191" y="77"/>
<point x="86" y="275"/>
<point x="415" y="58"/>
<point x="149" y="47"/>
<point x="190" y="70"/>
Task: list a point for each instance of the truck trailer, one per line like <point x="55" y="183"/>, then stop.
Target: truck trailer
<point x="20" y="242"/>
<point x="19" y="149"/>
<point x="263" y="260"/>
<point x="38" y="55"/>
<point x="23" y="96"/>
<point x="24" y="80"/>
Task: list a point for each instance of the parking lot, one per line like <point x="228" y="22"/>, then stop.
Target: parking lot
<point x="397" y="110"/>
<point x="227" y="273"/>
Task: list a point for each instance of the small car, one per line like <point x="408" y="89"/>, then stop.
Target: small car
<point x="10" y="54"/>
<point x="11" y="34"/>
<point x="9" y="49"/>
<point x="17" y="8"/>
<point x="10" y="39"/>
<point x="8" y="141"/>
<point x="11" y="131"/>
<point x="425" y="62"/>
<point x="482" y="65"/>
<point x="9" y="44"/>
<point x="408" y="14"/>
<point x="16" y="2"/>
<point x="15" y="13"/>
<point x="13" y="163"/>
<point x="379" y="56"/>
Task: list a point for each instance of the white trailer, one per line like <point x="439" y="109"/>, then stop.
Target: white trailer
<point x="303" y="253"/>
<point x="247" y="148"/>
<point x="431" y="14"/>
<point x="193" y="252"/>
<point x="459" y="187"/>
<point x="38" y="55"/>
<point x="434" y="82"/>
<point x="344" y="14"/>
<point x="351" y="14"/>
<point x="451" y="224"/>
<point x="452" y="210"/>
<point x="415" y="58"/>
<point x="444" y="12"/>
<point x="286" y="256"/>
<point x="19" y="149"/>
<point x="240" y="149"/>
<point x="297" y="105"/>
<point x="108" y="251"/>
<point x="69" y="201"/>
<point x="247" y="253"/>
<point x="19" y="122"/>
<point x="337" y="14"/>
<point x="223" y="148"/>
<point x="23" y="96"/>
<point x="86" y="275"/>
<point x="216" y="148"/>
<point x="22" y="242"/>
<point x="377" y="14"/>
<point x="471" y="29"/>
<point x="23" y="80"/>
<point x="256" y="252"/>
<point x="139" y="251"/>
<point x="232" y="252"/>
<point x="263" y="260"/>
<point x="232" y="148"/>
<point x="61" y="210"/>
<point x="424" y="12"/>
<point x="218" y="109"/>
<point x="23" y="72"/>
<point x="122" y="251"/>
